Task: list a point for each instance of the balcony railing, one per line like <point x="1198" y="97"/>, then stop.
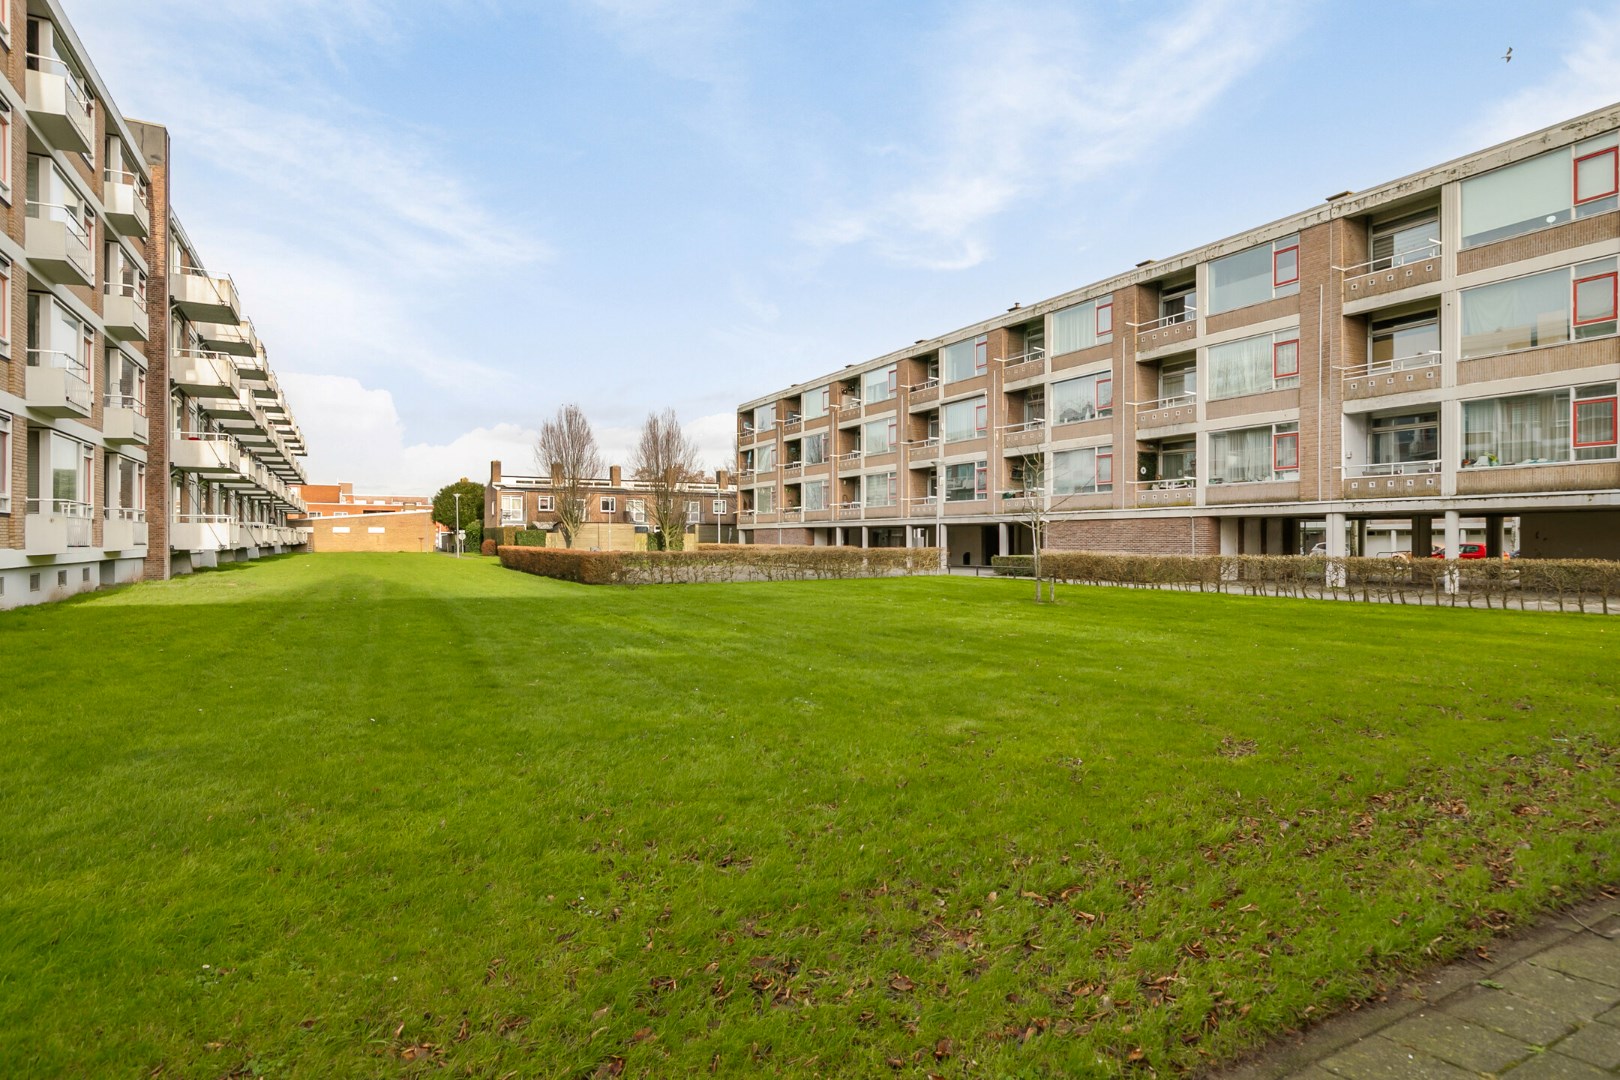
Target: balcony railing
<point x="849" y="404"/>
<point x="1174" y="401"/>
<point x="59" y="244"/>
<point x="926" y="384"/>
<point x="66" y="521"/>
<point x="124" y="401"/>
<point x="1176" y="318"/>
<point x="853" y="458"/>
<point x="1027" y="425"/>
<point x="1393" y="468"/>
<point x="1176" y="483"/>
<point x="1024" y="365"/>
<point x="134" y="180"/>
<point x="59" y="103"/>
<point x="1430" y="250"/>
<point x="1427" y="358"/>
<point x="66" y="389"/>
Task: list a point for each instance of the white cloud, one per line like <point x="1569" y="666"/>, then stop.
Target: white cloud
<point x="1065" y="100"/>
<point x="1586" y="78"/>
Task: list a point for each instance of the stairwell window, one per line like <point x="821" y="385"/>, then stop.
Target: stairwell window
<point x="5" y="141"/>
<point x="5" y="308"/>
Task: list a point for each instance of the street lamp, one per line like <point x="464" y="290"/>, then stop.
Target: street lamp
<point x="457" y="496"/>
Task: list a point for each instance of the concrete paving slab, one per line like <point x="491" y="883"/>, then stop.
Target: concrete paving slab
<point x="1589" y="958"/>
<point x="1595" y="1044"/>
<point x="1513" y="1016"/>
<point x="1557" y="992"/>
<point x="1554" y="1066"/>
<point x="1379" y="1058"/>
<point x="1463" y="1044"/>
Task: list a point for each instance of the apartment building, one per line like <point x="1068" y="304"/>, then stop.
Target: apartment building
<point x="617" y="512"/>
<point x="142" y="431"/>
<point x="1437" y="350"/>
<point x="340" y="500"/>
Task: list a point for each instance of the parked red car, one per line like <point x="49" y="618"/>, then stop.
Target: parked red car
<point x="1465" y="551"/>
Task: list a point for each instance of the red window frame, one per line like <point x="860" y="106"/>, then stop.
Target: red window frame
<point x="1104" y="323"/>
<point x="1101" y="458"/>
<point x="981" y="478"/>
<point x="1614" y="185"/>
<point x="894" y="380"/>
<point x="1276" y="348"/>
<point x="1276" y="258"/>
<point x="1575" y="415"/>
<point x="1097" y="397"/>
<point x="1277" y="440"/>
<point x="5" y="135"/>
<point x="980" y="418"/>
<point x="892" y="433"/>
<point x="5" y="299"/>
<point x="981" y="354"/>
<point x="1614" y="298"/>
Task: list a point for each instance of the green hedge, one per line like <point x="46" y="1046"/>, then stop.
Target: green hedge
<point x="1491" y="582"/>
<point x="719" y="562"/>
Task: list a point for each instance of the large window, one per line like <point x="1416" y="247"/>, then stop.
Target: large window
<point x="1085" y="398"/>
<point x="880" y="489"/>
<point x="877" y="436"/>
<point x="1405" y="342"/>
<point x="880" y="385"/>
<point x="765" y="499"/>
<point x="966" y="481"/>
<point x="5" y="463"/>
<point x="1550" y="427"/>
<point x="125" y="382"/>
<point x="1251" y="455"/>
<point x="1403" y="438"/>
<point x="1084" y="471"/>
<point x="126" y="486"/>
<point x="815" y="448"/>
<point x="965" y="419"/>
<point x="815" y="403"/>
<point x="511" y="509"/>
<point x="1261" y="273"/>
<point x="765" y="417"/>
<point x="813" y="496"/>
<point x="1083" y="325"/>
<point x="1408" y="239"/>
<point x="1548" y="189"/>
<point x="1254" y="365"/>
<point x="965" y="359"/>
<point x="765" y="457"/>
<point x="1549" y="308"/>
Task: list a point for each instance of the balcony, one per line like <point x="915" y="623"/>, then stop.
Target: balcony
<point x="1181" y="491"/>
<point x="1390" y="274"/>
<point x="205" y="374"/>
<point x="56" y="526"/>
<point x="123" y="529"/>
<point x="924" y="393"/>
<point x="1421" y="371"/>
<point x="124" y="196"/>
<point x="123" y="420"/>
<point x="58" y="383"/>
<point x="922" y="451"/>
<point x="1392" y="480"/>
<point x="1030" y="433"/>
<point x="255" y="368"/>
<point x="58" y="105"/>
<point x="1166" y="412"/>
<point x="124" y="312"/>
<point x="201" y="297"/>
<point x="58" y="246"/>
<point x="211" y="454"/>
<point x="1177" y="328"/>
<point x="1026" y="365"/>
<point x="234" y="339"/>
<point x="200" y="532"/>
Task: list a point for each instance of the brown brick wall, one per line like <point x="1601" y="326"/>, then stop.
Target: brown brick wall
<point x="1138" y="536"/>
<point x="153" y="145"/>
<point x="1558" y="238"/>
<point x="401" y="532"/>
<point x="1571" y="357"/>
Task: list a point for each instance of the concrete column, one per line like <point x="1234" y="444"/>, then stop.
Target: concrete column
<point x="1453" y="548"/>
<point x="838" y="536"/>
<point x="909" y="534"/>
<point x="1229" y="535"/>
<point x="865" y="536"/>
<point x="1422" y="536"/>
<point x="1360" y="548"/>
<point x="1003" y="539"/>
<point x="1336" y="576"/>
<point x="944" y="547"/>
<point x="1495" y="530"/>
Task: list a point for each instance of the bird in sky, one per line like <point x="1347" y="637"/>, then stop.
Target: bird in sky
<point x="1507" y="57"/>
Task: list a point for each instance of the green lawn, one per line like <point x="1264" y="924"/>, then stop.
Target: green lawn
<point x="353" y="815"/>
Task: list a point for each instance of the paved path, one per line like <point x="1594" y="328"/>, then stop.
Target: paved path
<point x="1545" y="1007"/>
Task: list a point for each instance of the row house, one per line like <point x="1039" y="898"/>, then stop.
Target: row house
<point x="618" y="511"/>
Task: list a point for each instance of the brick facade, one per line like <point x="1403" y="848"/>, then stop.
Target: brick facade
<point x="397" y="531"/>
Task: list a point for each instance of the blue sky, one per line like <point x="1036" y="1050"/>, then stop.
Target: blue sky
<point x="447" y="217"/>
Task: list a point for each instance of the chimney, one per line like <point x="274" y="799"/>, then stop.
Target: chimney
<point x="494" y="472"/>
<point x="556" y="475"/>
<point x="614" y="476"/>
<point x="721" y="478"/>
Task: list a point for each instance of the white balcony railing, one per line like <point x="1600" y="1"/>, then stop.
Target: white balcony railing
<point x="1426" y="358"/>
<point x="1027" y="425"/>
<point x="1429" y="250"/>
<point x="124" y="401"/>
<point x="1393" y="468"/>
<point x="74" y="374"/>
<point x="68" y="520"/>
<point x="133" y="180"/>
<point x="926" y="384"/>
<point x="1174" y="483"/>
<point x="1175" y="318"/>
<point x="1174" y="401"/>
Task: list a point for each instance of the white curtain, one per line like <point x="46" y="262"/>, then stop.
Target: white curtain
<point x="1516" y="199"/>
<point x="1074" y="472"/>
<point x="1517" y="430"/>
<point x="1238" y="457"/>
<point x="1240" y="367"/>
<point x="1516" y="314"/>
<point x="1074" y="328"/>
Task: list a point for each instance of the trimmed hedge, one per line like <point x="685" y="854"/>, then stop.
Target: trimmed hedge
<point x="1492" y="582"/>
<point x="719" y="562"/>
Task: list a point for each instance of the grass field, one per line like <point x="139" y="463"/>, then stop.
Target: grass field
<point x="353" y="815"/>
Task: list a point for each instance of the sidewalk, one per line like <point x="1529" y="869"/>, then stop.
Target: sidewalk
<point x="1547" y="1005"/>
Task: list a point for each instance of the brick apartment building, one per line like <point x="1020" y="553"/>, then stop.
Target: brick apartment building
<point x="1438" y="349"/>
<point x="142" y="430"/>
<point x="617" y="512"/>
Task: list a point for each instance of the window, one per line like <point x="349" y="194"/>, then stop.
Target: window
<point x="880" y="385"/>
<point x="966" y="482"/>
<point x="5" y="463"/>
<point x="764" y="416"/>
<point x="765" y="500"/>
<point x="1082" y="326"/>
<point x="544" y="504"/>
<point x="52" y="197"/>
<point x="609" y="504"/>
<point x="1083" y="472"/>
<point x="637" y="509"/>
<point x="694" y="507"/>
<point x="511" y="509"/>
<point x="965" y="359"/>
<point x="1405" y="342"/>
<point x="1254" y="365"/>
<point x="814" y="448"/>
<point x="1177" y="459"/>
<point x="5" y="139"/>
<point x="1408" y="239"/>
<point x="718" y="507"/>
<point x="1178" y="382"/>
<point x="1178" y="304"/>
<point x="879" y="489"/>
<point x="1086" y="398"/>
<point x="816" y="402"/>
<point x="1252" y="455"/>
<point x="813" y="495"/>
<point x="1551" y="427"/>
<point x="1400" y="438"/>
<point x="5" y="302"/>
<point x="878" y="436"/>
<point x="1261" y="273"/>
<point x="964" y="419"/>
<point x="1549" y="308"/>
<point x="1549" y="189"/>
<point x="765" y="457"/>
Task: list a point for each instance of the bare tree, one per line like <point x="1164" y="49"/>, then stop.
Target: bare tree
<point x="666" y="461"/>
<point x="1036" y="511"/>
<point x="567" y="452"/>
